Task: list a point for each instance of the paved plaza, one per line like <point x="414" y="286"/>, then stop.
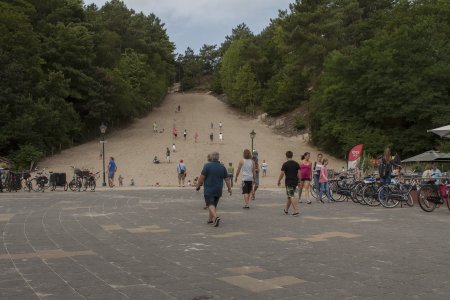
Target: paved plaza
<point x="155" y="244"/>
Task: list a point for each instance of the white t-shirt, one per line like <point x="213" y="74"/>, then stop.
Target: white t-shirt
<point x="264" y="166"/>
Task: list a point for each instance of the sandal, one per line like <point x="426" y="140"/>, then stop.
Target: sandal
<point x="285" y="212"/>
<point x="296" y="214"/>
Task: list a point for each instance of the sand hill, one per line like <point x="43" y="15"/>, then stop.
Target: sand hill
<point x="135" y="146"/>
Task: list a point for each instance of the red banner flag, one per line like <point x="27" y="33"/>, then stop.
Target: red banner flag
<point x="354" y="155"/>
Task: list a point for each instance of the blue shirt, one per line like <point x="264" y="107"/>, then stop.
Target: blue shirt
<point x="112" y="166"/>
<point x="214" y="173"/>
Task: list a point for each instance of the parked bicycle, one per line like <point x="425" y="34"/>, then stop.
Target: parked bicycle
<point x="13" y="181"/>
<point x="89" y="181"/>
<point x="390" y="195"/>
<point x="28" y="184"/>
<point x="77" y="180"/>
<point x="432" y="195"/>
<point x="41" y="181"/>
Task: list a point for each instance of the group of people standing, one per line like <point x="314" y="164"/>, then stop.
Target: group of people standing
<point x="300" y="175"/>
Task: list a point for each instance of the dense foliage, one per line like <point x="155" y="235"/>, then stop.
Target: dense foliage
<point x="371" y="71"/>
<point x="65" y="68"/>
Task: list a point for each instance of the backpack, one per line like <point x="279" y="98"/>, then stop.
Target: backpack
<point x="383" y="168"/>
<point x="182" y="168"/>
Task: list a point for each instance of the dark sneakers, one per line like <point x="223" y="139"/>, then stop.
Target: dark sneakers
<point x="216" y="222"/>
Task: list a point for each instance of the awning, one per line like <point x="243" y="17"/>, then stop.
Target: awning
<point x="429" y="156"/>
<point x="443" y="131"/>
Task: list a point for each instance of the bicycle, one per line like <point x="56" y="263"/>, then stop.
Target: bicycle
<point x="28" y="184"/>
<point x="390" y="195"/>
<point x="76" y="183"/>
<point x="431" y="195"/>
<point x="41" y="181"/>
<point x="13" y="181"/>
<point x="90" y="181"/>
<point x="370" y="193"/>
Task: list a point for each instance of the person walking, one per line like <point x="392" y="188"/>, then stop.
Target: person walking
<point x="168" y="155"/>
<point x="155" y="127"/>
<point x="316" y="167"/>
<point x="175" y="133"/>
<point x="185" y="134"/>
<point x="323" y="181"/>
<point x="112" y="169"/>
<point x="181" y="170"/>
<point x="221" y="137"/>
<point x="196" y="137"/>
<point x="174" y="148"/>
<point x="220" y="125"/>
<point x="212" y="177"/>
<point x="264" y="168"/>
<point x="256" y="184"/>
<point x="289" y="170"/>
<point x="305" y="177"/>
<point x="247" y="165"/>
<point x="212" y="125"/>
<point x="230" y="171"/>
<point x="211" y="137"/>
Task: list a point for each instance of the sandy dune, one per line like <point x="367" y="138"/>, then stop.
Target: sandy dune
<point x="134" y="147"/>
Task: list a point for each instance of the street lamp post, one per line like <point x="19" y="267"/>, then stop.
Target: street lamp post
<point x="252" y="136"/>
<point x="103" y="128"/>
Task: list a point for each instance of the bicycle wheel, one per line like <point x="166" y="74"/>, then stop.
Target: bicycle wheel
<point x="33" y="184"/>
<point x="425" y="194"/>
<point x="334" y="191"/>
<point x="313" y="191"/>
<point x="448" y="196"/>
<point x="370" y="196"/>
<point x="385" y="196"/>
<point x="73" y="185"/>
<point x="410" y="200"/>
<point x="93" y="185"/>
<point x="356" y="192"/>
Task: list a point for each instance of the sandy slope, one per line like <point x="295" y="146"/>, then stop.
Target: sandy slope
<point x="135" y="146"/>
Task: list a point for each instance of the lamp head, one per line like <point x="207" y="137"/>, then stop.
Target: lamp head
<point x="103" y="128"/>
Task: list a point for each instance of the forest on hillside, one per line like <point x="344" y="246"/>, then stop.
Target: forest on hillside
<point x="375" y="72"/>
<point x="66" y="68"/>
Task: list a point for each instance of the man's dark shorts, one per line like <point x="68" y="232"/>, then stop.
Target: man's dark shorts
<point x="247" y="187"/>
<point x="211" y="200"/>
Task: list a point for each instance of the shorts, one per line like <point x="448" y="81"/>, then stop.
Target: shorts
<point x="247" y="187"/>
<point x="305" y="179"/>
<point x="257" y="179"/>
<point x="111" y="175"/>
<point x="290" y="191"/>
<point x="181" y="176"/>
<point x="212" y="200"/>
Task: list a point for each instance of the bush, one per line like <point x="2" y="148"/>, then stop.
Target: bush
<point x="26" y="155"/>
<point x="299" y="123"/>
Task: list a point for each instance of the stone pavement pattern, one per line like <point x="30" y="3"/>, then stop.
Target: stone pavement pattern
<point x="155" y="244"/>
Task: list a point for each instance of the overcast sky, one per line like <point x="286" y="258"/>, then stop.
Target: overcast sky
<point x="196" y="22"/>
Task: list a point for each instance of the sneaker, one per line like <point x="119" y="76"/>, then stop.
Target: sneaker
<point x="210" y="222"/>
<point x="246" y="207"/>
<point x="216" y="222"/>
<point x="296" y="214"/>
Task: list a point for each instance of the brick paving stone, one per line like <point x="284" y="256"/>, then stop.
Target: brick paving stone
<point x="155" y="244"/>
